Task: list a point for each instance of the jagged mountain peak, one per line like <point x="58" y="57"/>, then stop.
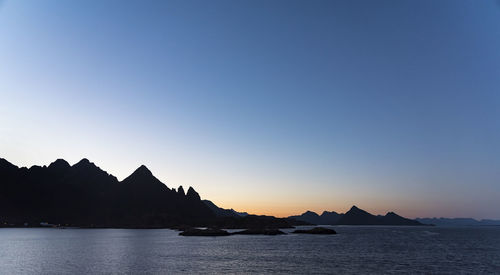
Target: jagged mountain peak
<point x="143" y="170"/>
<point x="87" y="167"/>
<point x="142" y="176"/>
<point x="180" y="190"/>
<point x="85" y="195"/>
<point x="354" y="208"/>
<point x="191" y="193"/>
<point x="84" y="163"/>
<point x="5" y="163"/>
<point x="59" y="164"/>
<point x="329" y="213"/>
<point x="310" y="212"/>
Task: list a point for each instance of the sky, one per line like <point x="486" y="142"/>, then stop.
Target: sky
<point x="269" y="107"/>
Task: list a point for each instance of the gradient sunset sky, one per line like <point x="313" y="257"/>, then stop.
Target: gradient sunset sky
<point x="269" y="107"/>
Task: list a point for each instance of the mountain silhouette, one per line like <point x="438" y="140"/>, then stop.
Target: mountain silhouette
<point x="313" y="218"/>
<point x="330" y="217"/>
<point x="85" y="195"/>
<point x="354" y="216"/>
<point x="310" y="217"/>
<point x="220" y="212"/>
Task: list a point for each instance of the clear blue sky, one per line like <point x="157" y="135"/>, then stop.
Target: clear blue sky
<point x="272" y="107"/>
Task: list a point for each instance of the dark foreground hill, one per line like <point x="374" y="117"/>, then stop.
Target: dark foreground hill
<point x="85" y="195"/>
<point x="355" y="216"/>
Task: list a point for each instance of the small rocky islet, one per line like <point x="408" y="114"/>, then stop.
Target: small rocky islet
<point x="316" y="230"/>
<point x="211" y="232"/>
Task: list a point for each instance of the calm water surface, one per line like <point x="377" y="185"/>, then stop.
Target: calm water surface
<point x="354" y="250"/>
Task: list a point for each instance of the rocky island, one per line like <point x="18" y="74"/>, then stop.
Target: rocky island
<point x="316" y="230"/>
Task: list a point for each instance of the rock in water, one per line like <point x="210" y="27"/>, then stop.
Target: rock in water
<point x="316" y="230"/>
<point x="204" y="232"/>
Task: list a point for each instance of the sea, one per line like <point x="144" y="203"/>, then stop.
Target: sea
<point x="354" y="250"/>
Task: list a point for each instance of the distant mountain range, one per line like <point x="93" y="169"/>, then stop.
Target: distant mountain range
<point x="354" y="216"/>
<point x="458" y="222"/>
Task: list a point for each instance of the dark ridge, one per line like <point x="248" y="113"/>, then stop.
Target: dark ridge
<point x="4" y="164"/>
<point x="143" y="170"/>
<point x="220" y="212"/>
<point x="355" y="208"/>
<point x="311" y="213"/>
<point x="83" y="195"/>
<point x="392" y="218"/>
<point x="143" y="177"/>
<point x="83" y="163"/>
<point x="355" y="216"/>
<point x="192" y="194"/>
<point x="330" y="217"/>
<point x="308" y="216"/>
<point x="59" y="164"/>
<point x="180" y="191"/>
<point x="313" y="218"/>
<point x="35" y="167"/>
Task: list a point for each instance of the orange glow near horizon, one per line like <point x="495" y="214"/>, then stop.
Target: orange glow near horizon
<point x="282" y="209"/>
<point x="286" y="210"/>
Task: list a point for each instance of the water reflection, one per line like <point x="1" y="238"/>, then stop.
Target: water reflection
<point x="353" y="250"/>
